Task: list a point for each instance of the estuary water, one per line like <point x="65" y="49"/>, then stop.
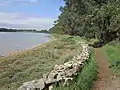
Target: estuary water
<point x="11" y="42"/>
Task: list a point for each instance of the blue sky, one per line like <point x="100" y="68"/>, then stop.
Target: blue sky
<point x="39" y="14"/>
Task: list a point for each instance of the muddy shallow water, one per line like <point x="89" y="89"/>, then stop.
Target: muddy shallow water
<point x="11" y="42"/>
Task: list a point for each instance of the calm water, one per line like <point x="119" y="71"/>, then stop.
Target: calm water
<point x="15" y="41"/>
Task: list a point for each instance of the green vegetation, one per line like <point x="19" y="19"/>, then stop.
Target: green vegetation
<point x="114" y="58"/>
<point x="99" y="19"/>
<point x="85" y="79"/>
<point x="31" y="64"/>
<point x="42" y="31"/>
<point x="22" y="30"/>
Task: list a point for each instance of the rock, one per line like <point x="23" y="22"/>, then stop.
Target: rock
<point x="62" y="73"/>
<point x="68" y="65"/>
<point x="45" y="76"/>
<point x="74" y="58"/>
<point x="80" y="62"/>
<point x="60" y="67"/>
<point x="40" y="84"/>
<point x="67" y="81"/>
<point x="75" y="64"/>
<point x="27" y="86"/>
<point x="32" y="85"/>
<point x="50" y="87"/>
<point x="51" y="78"/>
<point x="59" y="77"/>
<point x="71" y="72"/>
<point x="56" y="67"/>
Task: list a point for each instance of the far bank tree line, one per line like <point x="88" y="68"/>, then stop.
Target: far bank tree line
<point x="23" y="30"/>
<point x="99" y="19"/>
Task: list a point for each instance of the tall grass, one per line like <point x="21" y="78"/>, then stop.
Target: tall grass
<point x="84" y="80"/>
<point x="114" y="57"/>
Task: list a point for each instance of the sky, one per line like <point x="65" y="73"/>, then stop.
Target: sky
<point x="29" y="14"/>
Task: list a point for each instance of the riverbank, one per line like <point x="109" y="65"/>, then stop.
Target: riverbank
<point x="27" y="65"/>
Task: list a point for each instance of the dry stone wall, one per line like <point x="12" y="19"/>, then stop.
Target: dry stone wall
<point x="60" y="73"/>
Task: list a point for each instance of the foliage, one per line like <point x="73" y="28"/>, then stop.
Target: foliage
<point x="113" y="53"/>
<point x="22" y="30"/>
<point x="98" y="19"/>
<point x="43" y="31"/>
<point x="85" y="79"/>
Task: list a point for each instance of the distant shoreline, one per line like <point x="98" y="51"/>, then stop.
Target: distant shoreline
<point x="23" y="30"/>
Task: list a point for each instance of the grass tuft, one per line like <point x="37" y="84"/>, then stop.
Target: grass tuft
<point x="113" y="53"/>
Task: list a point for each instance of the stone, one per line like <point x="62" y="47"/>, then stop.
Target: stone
<point x="68" y="65"/>
<point x="32" y="85"/>
<point x="59" y="77"/>
<point x="49" y="81"/>
<point x="50" y="87"/>
<point x="62" y="73"/>
<point x="68" y="73"/>
<point x="75" y="64"/>
<point x="40" y="84"/>
<point x="27" y="86"/>
<point x="45" y="76"/>
<point x="51" y="78"/>
<point x="67" y="81"/>
<point x="80" y="62"/>
<point x="56" y="67"/>
<point x="74" y="58"/>
<point x="71" y="72"/>
<point x="60" y="67"/>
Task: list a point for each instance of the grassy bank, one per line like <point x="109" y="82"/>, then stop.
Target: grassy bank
<point x="85" y="79"/>
<point x="31" y="64"/>
<point x="114" y="58"/>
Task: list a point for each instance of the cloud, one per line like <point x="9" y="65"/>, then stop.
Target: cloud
<point x="20" y="20"/>
<point x="24" y="1"/>
<point x="12" y="2"/>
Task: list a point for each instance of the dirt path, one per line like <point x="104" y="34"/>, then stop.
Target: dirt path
<point x="105" y="81"/>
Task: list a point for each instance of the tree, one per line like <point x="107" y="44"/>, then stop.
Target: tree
<point x="90" y="18"/>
